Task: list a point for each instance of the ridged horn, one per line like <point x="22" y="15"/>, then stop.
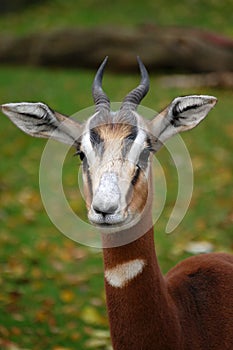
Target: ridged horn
<point x="134" y="97"/>
<point x="101" y="100"/>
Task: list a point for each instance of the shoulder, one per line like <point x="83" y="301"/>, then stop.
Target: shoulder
<point x="202" y="269"/>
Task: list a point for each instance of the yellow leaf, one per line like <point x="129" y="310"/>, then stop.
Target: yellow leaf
<point x="67" y="296"/>
<point x="91" y="316"/>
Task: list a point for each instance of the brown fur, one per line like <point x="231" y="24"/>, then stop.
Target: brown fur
<point x="139" y="195"/>
<point x="191" y="308"/>
<point x="113" y="131"/>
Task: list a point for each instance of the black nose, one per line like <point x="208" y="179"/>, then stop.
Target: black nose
<point x="106" y="209"/>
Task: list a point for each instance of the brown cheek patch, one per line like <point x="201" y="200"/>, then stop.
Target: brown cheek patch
<point x="140" y="194"/>
<point x="87" y="192"/>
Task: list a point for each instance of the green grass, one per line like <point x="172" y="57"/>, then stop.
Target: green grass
<point x="207" y="14"/>
<point x="51" y="288"/>
<point x="52" y="292"/>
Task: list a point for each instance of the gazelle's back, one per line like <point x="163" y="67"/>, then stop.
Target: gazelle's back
<point x="202" y="286"/>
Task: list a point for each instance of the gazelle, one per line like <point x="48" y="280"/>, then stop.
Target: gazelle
<point x="192" y="306"/>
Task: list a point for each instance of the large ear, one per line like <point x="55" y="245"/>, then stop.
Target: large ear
<point x="182" y="114"/>
<point x="37" y="119"/>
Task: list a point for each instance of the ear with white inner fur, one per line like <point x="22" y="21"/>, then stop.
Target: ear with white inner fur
<point x="37" y="119"/>
<point x="182" y="114"/>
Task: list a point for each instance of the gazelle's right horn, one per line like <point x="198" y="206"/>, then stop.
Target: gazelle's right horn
<point x="100" y="98"/>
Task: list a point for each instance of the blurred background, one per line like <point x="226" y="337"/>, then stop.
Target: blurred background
<point x="51" y="288"/>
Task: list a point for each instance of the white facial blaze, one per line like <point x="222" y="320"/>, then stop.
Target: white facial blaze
<point x="120" y="275"/>
<point x="137" y="147"/>
<point x="87" y="146"/>
<point x="108" y="194"/>
<point x="86" y="142"/>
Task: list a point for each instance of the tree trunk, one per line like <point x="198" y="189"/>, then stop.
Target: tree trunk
<point x="168" y="49"/>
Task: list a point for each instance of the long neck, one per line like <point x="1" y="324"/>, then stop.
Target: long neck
<point x="141" y="314"/>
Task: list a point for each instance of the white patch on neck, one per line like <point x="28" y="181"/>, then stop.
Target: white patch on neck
<point x="121" y="274"/>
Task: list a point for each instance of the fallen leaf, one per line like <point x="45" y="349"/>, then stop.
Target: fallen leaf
<point x="67" y="296"/>
<point x="91" y="316"/>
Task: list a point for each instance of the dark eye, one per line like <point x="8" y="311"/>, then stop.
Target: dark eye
<point x="136" y="175"/>
<point x="81" y="155"/>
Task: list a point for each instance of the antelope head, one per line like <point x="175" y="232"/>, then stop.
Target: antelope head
<point x="115" y="147"/>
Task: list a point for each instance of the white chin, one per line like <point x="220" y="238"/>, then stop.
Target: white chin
<point x="113" y="223"/>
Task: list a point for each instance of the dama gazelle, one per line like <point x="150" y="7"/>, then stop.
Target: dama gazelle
<point x="192" y="306"/>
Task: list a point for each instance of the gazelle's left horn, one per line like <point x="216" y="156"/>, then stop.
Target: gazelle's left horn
<point x="134" y="97"/>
